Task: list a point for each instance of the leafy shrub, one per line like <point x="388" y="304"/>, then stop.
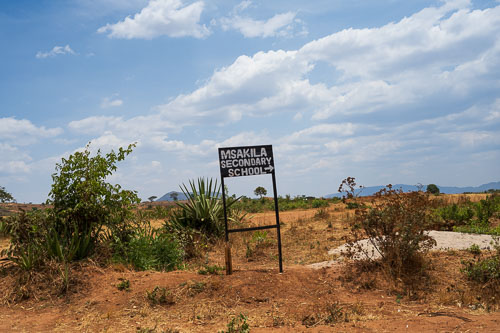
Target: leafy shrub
<point x="83" y="202"/>
<point x="483" y="270"/>
<point x="485" y="209"/>
<point x="149" y="248"/>
<point x="471" y="217"/>
<point x="395" y="224"/>
<point x="317" y="203"/>
<point x="455" y="215"/>
<point x="483" y="274"/>
<point x="28" y="233"/>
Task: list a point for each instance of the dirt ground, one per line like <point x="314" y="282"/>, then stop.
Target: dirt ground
<point x="301" y="299"/>
<point x="298" y="300"/>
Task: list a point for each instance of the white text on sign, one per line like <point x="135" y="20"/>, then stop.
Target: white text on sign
<point x="246" y="161"/>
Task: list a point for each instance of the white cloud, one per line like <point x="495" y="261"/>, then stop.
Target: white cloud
<point x="13" y="160"/>
<point x="109" y="102"/>
<point x="264" y="83"/>
<point x="56" y="50"/>
<point x="278" y="25"/>
<point x="328" y="130"/>
<point x="446" y="53"/>
<point x="282" y="25"/>
<point x="22" y="132"/>
<point x="160" y="17"/>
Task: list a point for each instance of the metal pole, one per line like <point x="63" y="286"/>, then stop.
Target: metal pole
<point x="227" y="250"/>
<point x="277" y="221"/>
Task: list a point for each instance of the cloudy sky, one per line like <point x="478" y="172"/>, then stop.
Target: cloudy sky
<point x="385" y="91"/>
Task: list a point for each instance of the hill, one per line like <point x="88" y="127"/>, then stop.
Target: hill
<point x="370" y="190"/>
<point x="171" y="195"/>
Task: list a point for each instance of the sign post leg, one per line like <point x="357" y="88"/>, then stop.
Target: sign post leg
<point x="277" y="222"/>
<point x="229" y="263"/>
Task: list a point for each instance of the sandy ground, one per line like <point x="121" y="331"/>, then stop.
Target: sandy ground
<point x="445" y="240"/>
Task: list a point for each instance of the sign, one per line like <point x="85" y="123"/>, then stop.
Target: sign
<point x="246" y="161"/>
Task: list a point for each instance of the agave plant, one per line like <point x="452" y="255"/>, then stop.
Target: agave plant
<point x="204" y="210"/>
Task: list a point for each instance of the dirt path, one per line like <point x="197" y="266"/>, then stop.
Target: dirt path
<point x="445" y="240"/>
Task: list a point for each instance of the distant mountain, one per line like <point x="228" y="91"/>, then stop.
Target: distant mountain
<point x="170" y="195"/>
<point x="370" y="190"/>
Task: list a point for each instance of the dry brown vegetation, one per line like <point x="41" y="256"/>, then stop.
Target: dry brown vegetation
<point x="340" y="298"/>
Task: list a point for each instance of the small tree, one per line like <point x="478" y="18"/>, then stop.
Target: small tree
<point x="260" y="191"/>
<point x="174" y="196"/>
<point x="5" y="196"/>
<point x="432" y="189"/>
<point x="83" y="202"/>
<point x="152" y="198"/>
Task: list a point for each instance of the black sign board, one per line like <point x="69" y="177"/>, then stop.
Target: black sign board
<point x="248" y="161"/>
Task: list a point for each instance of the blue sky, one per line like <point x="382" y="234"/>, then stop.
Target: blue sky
<point x="385" y="91"/>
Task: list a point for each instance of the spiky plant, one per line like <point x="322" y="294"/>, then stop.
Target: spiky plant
<point x="204" y="210"/>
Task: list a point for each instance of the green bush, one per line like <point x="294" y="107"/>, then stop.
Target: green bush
<point x="149" y="248"/>
<point x="28" y="234"/>
<point x="455" y="215"/>
<point x="83" y="203"/>
<point x="284" y="204"/>
<point x="317" y="203"/>
<point x="485" y="209"/>
<point x="483" y="270"/>
<point x="472" y="217"/>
